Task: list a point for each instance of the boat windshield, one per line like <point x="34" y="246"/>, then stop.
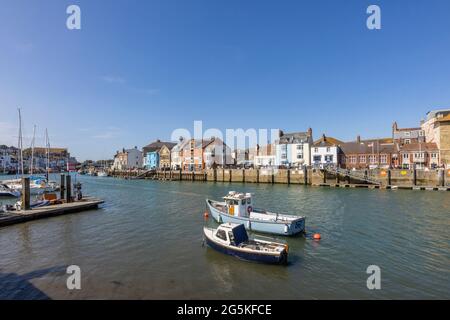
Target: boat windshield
<point x="240" y="235"/>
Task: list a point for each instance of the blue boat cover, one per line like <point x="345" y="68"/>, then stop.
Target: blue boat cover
<point x="240" y="234"/>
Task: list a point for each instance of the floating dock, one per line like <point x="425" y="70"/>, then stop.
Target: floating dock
<point x="14" y="217"/>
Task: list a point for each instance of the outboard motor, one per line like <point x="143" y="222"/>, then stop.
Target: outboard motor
<point x="77" y="187"/>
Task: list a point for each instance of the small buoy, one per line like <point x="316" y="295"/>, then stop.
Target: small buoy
<point x="206" y="215"/>
<point x="316" y="236"/>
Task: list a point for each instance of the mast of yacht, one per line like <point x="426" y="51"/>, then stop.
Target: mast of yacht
<point x="47" y="145"/>
<point x="20" y="143"/>
<point x="32" y="150"/>
<point x="4" y="161"/>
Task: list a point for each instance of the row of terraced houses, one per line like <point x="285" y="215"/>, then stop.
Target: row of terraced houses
<point x="423" y="147"/>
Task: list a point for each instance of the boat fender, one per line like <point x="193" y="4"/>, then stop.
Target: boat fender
<point x="249" y="226"/>
<point x="219" y="219"/>
<point x="286" y="228"/>
<point x="249" y="209"/>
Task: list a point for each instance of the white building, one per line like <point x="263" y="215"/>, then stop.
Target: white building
<point x="176" y="154"/>
<point x="293" y="149"/>
<point x="265" y="161"/>
<point x="216" y="152"/>
<point x="325" y="151"/>
<point x="128" y="159"/>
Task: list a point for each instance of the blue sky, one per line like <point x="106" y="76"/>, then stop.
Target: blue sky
<point x="137" y="70"/>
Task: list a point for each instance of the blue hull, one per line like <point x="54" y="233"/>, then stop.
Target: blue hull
<point x="285" y="229"/>
<point x="261" y="258"/>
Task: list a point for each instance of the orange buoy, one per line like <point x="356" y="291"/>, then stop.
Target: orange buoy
<point x="206" y="215"/>
<point x="316" y="236"/>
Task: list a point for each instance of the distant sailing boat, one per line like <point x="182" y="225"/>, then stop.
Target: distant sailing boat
<point x="38" y="185"/>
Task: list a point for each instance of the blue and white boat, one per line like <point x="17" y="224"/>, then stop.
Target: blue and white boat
<point x="232" y="239"/>
<point x="238" y="208"/>
<point x="6" y="191"/>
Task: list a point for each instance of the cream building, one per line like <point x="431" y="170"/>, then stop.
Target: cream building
<point x="437" y="130"/>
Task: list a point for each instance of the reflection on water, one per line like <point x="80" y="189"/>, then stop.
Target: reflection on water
<point x="146" y="242"/>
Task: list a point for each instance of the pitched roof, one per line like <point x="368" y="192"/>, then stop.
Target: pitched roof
<point x="408" y="129"/>
<point x="157" y="145"/>
<point x="411" y="147"/>
<point x="325" y="141"/>
<point x="365" y="147"/>
<point x="444" y="118"/>
<point x="293" y="137"/>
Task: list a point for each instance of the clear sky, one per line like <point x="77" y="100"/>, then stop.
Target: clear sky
<point x="137" y="70"/>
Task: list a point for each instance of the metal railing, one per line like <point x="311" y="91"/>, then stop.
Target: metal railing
<point x="352" y="174"/>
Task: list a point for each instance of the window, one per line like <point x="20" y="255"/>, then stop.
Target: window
<point x="231" y="236"/>
<point x="299" y="156"/>
<point x="316" y="149"/>
<point x="373" y="158"/>
<point x="243" y="202"/>
<point x="407" y="134"/>
<point x="362" y="159"/>
<point x="317" y="158"/>
<point x="421" y="133"/>
<point x="221" y="235"/>
<point x="328" y="149"/>
<point x="407" y="141"/>
<point x="329" y="158"/>
<point x="434" y="155"/>
<point x="352" y="159"/>
<point x="405" y="156"/>
<point x="299" y="147"/>
<point x="383" y="158"/>
<point x="283" y="156"/>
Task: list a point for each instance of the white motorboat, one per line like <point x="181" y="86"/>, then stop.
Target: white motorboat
<point x="232" y="239"/>
<point x="238" y="208"/>
<point x="6" y="191"/>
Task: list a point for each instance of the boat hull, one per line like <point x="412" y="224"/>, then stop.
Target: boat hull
<point x="14" y="194"/>
<point x="254" y="257"/>
<point x="279" y="228"/>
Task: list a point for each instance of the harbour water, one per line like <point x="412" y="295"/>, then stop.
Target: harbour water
<point x="146" y="243"/>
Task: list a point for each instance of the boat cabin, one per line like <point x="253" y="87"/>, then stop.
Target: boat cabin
<point x="231" y="234"/>
<point x="238" y="204"/>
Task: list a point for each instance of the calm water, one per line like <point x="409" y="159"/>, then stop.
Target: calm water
<point x="146" y="243"/>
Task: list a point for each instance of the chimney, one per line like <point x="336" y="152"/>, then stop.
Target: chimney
<point x="324" y="137"/>
<point x="358" y="138"/>
<point x="310" y="132"/>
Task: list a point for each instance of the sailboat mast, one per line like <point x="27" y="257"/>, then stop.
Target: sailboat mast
<point x="47" y="145"/>
<point x="20" y="142"/>
<point x="32" y="150"/>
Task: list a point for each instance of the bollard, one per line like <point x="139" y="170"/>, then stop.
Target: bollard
<point x="68" y="189"/>
<point x="305" y="174"/>
<point x="62" y="187"/>
<point x="25" y="193"/>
